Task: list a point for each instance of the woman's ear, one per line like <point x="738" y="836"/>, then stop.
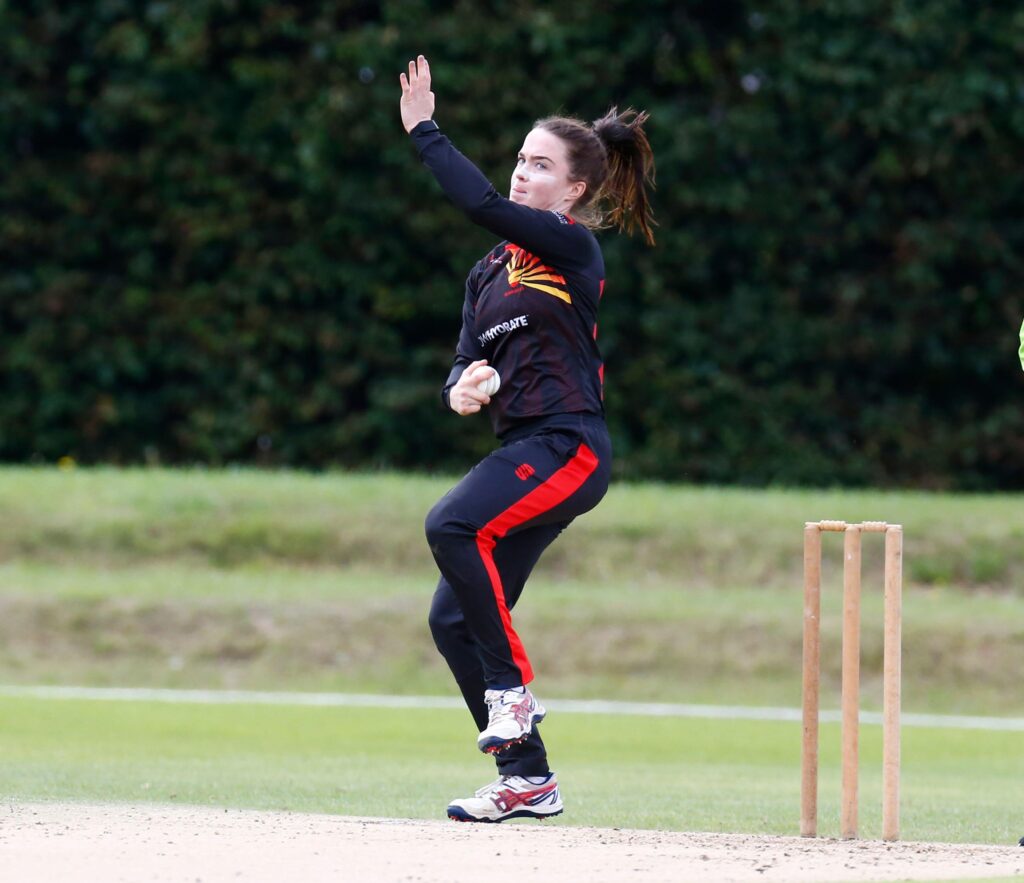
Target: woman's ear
<point x="577" y="189"/>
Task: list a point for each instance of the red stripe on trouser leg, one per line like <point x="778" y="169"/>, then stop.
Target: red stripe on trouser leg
<point x="543" y="498"/>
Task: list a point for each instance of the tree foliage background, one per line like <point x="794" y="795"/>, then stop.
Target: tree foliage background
<point x="217" y="245"/>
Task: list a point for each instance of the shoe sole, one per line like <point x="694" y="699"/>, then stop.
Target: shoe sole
<point x="493" y="746"/>
<point x="457" y="814"/>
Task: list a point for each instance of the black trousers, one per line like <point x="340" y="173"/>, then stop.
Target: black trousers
<point x="486" y="535"/>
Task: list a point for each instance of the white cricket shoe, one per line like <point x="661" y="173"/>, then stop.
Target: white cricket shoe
<point x="509" y="797"/>
<point x="511" y="716"/>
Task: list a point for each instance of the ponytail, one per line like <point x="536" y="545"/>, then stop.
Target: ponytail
<point x="630" y="169"/>
<point x="615" y="160"/>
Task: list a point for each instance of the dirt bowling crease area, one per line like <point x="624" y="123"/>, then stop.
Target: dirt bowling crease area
<point x="119" y="842"/>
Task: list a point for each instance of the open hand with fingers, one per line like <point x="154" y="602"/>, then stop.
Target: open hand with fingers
<point x="417" y="101"/>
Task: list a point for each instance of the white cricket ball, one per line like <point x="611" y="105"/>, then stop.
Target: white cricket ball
<point x="491" y="385"/>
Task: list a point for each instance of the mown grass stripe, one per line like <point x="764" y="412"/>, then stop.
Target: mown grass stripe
<point x="571" y="706"/>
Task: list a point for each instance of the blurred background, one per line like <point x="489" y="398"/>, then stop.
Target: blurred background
<point x="218" y="246"/>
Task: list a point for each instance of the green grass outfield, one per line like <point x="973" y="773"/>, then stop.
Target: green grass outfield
<point x="293" y="581"/>
<point x="720" y="537"/>
<point x="700" y="775"/>
<point x="296" y="582"/>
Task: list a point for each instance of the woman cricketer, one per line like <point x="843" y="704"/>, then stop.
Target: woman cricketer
<point x="530" y="315"/>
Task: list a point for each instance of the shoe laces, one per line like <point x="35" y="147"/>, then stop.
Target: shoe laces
<point x="491" y="786"/>
<point x="498" y="708"/>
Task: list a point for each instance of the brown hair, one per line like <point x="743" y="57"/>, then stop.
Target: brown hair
<point x="614" y="159"/>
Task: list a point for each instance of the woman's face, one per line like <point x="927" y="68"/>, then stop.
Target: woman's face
<point x="541" y="176"/>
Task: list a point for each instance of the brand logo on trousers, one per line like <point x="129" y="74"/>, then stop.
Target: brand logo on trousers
<point x="525" y="471"/>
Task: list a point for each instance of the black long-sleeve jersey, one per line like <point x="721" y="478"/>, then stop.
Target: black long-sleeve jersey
<point x="531" y="301"/>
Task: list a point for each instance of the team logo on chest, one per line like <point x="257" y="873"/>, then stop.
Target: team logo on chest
<point x="526" y="270"/>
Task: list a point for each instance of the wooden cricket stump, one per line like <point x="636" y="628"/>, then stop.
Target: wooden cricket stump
<point x="891" y="663"/>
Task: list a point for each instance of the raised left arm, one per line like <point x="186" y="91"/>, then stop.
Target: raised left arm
<point x="550" y="236"/>
<point x="417" y="103"/>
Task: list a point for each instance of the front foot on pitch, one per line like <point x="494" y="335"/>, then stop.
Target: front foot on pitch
<point x="510" y="797"/>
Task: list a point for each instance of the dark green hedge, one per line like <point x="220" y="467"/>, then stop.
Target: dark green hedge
<point x="217" y="245"/>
